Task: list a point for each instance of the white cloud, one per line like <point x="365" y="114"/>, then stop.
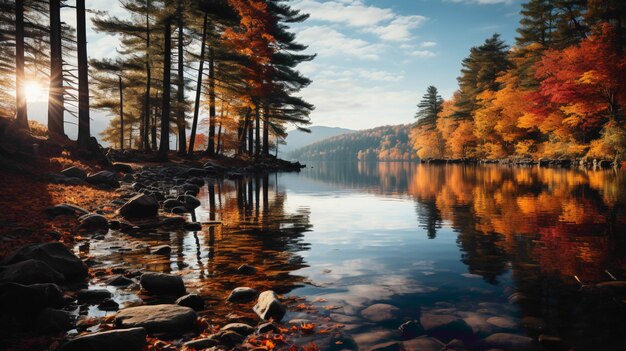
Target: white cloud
<point x="327" y="41"/>
<point x="428" y="44"/>
<point x="423" y="53"/>
<point x="383" y="22"/>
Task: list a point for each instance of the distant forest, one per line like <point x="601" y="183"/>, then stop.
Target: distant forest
<point x="387" y="143"/>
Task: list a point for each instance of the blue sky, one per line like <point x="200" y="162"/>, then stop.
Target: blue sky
<point x="375" y="57"/>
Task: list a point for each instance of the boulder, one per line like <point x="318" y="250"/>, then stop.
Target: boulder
<point x="162" y="284"/>
<point x="242" y="294"/>
<point x="107" y="178"/>
<point x="268" y="306"/>
<point x="192" y="301"/>
<point x="29" y="299"/>
<point x="30" y="272"/>
<point x="119" y="280"/>
<point x="108" y="305"/>
<point x="502" y="322"/>
<point x="66" y="210"/>
<point x="158" y="318"/>
<point x="228" y="338"/>
<point x="381" y="312"/>
<point x="92" y="295"/>
<point x="133" y="339"/>
<point x="56" y="255"/>
<point x="140" y="206"/>
<point x="506" y="342"/>
<point x="123" y="168"/>
<point x="93" y="222"/>
<point x="239" y="328"/>
<point x="51" y="320"/>
<point x="74" y="172"/>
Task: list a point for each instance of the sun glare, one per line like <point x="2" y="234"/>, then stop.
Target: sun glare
<point x="35" y="91"/>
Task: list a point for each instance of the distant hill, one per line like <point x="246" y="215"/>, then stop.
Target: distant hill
<point x="387" y="143"/>
<point x="297" y="139"/>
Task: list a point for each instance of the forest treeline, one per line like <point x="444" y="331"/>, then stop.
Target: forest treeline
<point x="387" y="143"/>
<point x="559" y="92"/>
<point x="177" y="59"/>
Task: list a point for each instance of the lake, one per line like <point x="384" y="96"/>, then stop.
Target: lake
<point x="478" y="249"/>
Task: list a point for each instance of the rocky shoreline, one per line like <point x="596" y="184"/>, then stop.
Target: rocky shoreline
<point x="527" y="162"/>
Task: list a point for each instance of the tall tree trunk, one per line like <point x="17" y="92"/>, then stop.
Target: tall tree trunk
<point x="241" y="135"/>
<point x="84" y="133"/>
<point x="218" y="147"/>
<point x="164" y="145"/>
<point x="257" y="127"/>
<point x="120" y="86"/>
<point x="55" y="95"/>
<point x="211" y="148"/>
<point x="196" y="107"/>
<point x="20" y="93"/>
<point x="250" y="136"/>
<point x="147" y="109"/>
<point x="266" y="129"/>
<point x="180" y="108"/>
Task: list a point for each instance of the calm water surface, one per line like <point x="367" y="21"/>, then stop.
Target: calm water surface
<point x="474" y="242"/>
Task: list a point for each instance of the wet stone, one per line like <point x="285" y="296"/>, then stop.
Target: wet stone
<point x="502" y="322"/>
<point x="94" y="222"/>
<point x="242" y="294"/>
<point x="56" y="255"/>
<point x="93" y="295"/>
<point x="445" y="327"/>
<point x="119" y="280"/>
<point x="140" y="206"/>
<point x="133" y="339"/>
<point x="53" y="321"/>
<point x="162" y="284"/>
<point x="268" y="306"/>
<point x="239" y="328"/>
<point x="267" y="327"/>
<point x="381" y="312"/>
<point x="423" y="343"/>
<point x="158" y="318"/>
<point x="30" y="272"/>
<point x="108" y="305"/>
<point x="65" y="210"/>
<point x="192" y="301"/>
<point x="200" y="344"/>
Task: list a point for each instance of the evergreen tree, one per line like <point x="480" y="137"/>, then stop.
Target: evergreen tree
<point x="84" y="133"/>
<point x="428" y="108"/>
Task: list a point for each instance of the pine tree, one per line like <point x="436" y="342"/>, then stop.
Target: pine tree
<point x="56" y="92"/>
<point x="428" y="109"/>
<point x="84" y="133"/>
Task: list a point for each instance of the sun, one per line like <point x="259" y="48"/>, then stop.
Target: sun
<point x="35" y="91"/>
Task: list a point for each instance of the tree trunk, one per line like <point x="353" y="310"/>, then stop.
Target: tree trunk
<point x="164" y="146"/>
<point x="84" y="133"/>
<point x="266" y="129"/>
<point x="250" y="136"/>
<point x="211" y="148"/>
<point x="257" y="135"/>
<point x="218" y="147"/>
<point x="20" y="93"/>
<point x="180" y="108"/>
<point x="55" y="95"/>
<point x="147" y="109"/>
<point x="121" y="88"/>
<point x="196" y="107"/>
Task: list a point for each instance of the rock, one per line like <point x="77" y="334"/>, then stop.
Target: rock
<point x="191" y="202"/>
<point x="192" y="301"/>
<point x="193" y="226"/>
<point x="228" y="338"/>
<point x="29" y="299"/>
<point x="381" y="312"/>
<point x="423" y="343"/>
<point x="56" y="255"/>
<point x="74" y="172"/>
<point x="200" y="344"/>
<point x="107" y="178"/>
<point x="66" y="210"/>
<point x="502" y="322"/>
<point x="53" y="321"/>
<point x="140" y="206"/>
<point x="239" y="328"/>
<point x="133" y="339"/>
<point x="158" y="318"/>
<point x="387" y="346"/>
<point x="247" y="270"/>
<point x="267" y="327"/>
<point x="163" y="284"/>
<point x="30" y="272"/>
<point x="411" y="329"/>
<point x="119" y="280"/>
<point x="455" y="345"/>
<point x="123" y="168"/>
<point x="95" y="222"/>
<point x="161" y="250"/>
<point x="445" y="327"/>
<point x="506" y="341"/>
<point x="109" y="305"/>
<point x="242" y="294"/>
<point x="171" y="203"/>
<point x="93" y="295"/>
<point x="268" y="306"/>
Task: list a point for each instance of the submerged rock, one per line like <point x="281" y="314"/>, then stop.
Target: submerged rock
<point x="56" y="255"/>
<point x="424" y="343"/>
<point x="140" y="206"/>
<point x="162" y="284"/>
<point x="158" y="318"/>
<point x="411" y="329"/>
<point x="506" y="341"/>
<point x="133" y="339"/>
<point x="445" y="327"/>
<point x="381" y="312"/>
<point x="268" y="306"/>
